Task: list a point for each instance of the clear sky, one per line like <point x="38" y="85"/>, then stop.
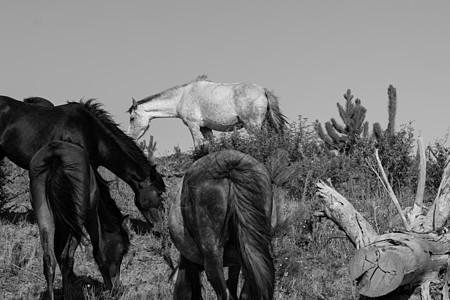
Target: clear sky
<point x="308" y="52"/>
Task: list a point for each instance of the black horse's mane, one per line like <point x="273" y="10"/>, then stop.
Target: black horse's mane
<point x="129" y="145"/>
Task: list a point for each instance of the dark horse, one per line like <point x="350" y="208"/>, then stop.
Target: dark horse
<point x="25" y="128"/>
<point x="222" y="217"/>
<point x="38" y="101"/>
<point x="67" y="195"/>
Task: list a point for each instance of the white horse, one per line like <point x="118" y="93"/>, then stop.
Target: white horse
<point x="204" y="106"/>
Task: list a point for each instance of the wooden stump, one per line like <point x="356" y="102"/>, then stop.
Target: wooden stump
<point x="398" y="259"/>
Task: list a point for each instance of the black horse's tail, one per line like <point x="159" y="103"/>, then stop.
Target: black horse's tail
<point x="274" y="116"/>
<point x="63" y="192"/>
<point x="253" y="228"/>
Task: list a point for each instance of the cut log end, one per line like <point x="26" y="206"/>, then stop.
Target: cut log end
<point x="377" y="272"/>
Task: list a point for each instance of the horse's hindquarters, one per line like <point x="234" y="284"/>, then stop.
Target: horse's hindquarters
<point x="180" y="236"/>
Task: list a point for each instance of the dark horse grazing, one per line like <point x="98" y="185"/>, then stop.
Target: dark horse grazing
<point x="222" y="217"/>
<point x="67" y="195"/>
<point x="25" y="128"/>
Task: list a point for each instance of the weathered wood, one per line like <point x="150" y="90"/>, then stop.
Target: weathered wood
<point x="342" y="212"/>
<point x="415" y="214"/>
<point x="397" y="259"/>
<point x="422" y="173"/>
<point x="439" y="212"/>
<point x="385" y="262"/>
<point x="377" y="272"/>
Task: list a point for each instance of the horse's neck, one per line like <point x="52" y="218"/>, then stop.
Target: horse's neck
<point x="120" y="162"/>
<point x="165" y="105"/>
<point x="125" y="171"/>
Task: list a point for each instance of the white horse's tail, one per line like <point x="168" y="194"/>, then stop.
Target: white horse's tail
<point x="274" y="116"/>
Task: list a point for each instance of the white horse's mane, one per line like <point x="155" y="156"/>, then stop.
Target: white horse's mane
<point x="167" y="92"/>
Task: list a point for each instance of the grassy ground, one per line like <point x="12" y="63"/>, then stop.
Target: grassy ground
<point x="311" y="258"/>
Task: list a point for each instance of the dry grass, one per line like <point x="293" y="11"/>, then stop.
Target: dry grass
<point x="311" y="258"/>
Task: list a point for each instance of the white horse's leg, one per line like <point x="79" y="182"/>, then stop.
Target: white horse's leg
<point x="197" y="136"/>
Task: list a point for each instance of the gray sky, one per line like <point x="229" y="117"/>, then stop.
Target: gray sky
<point x="308" y="52"/>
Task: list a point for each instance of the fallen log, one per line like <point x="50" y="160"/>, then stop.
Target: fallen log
<point x="395" y="260"/>
<point x="383" y="263"/>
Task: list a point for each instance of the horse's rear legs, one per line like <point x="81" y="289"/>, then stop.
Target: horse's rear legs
<point x="46" y="226"/>
<point x="233" y="279"/>
<point x="65" y="252"/>
<point x="49" y="260"/>
<point x="214" y="272"/>
<point x="232" y="283"/>
<point x="187" y="285"/>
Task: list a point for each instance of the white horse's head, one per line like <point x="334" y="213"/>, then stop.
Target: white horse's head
<point x="139" y="122"/>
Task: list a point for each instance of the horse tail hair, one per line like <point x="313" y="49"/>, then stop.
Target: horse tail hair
<point x="62" y="190"/>
<point x="274" y="116"/>
<point x="252" y="228"/>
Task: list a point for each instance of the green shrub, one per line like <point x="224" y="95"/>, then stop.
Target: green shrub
<point x="293" y="158"/>
<point x="398" y="159"/>
<point x="298" y="159"/>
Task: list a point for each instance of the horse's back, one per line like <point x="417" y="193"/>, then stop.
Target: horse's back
<point x="226" y="93"/>
<point x="222" y="106"/>
<point x="38" y="101"/>
<point x="27" y="128"/>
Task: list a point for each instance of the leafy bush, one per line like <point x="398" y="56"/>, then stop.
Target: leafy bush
<point x="396" y="153"/>
<point x="292" y="157"/>
<point x="298" y="159"/>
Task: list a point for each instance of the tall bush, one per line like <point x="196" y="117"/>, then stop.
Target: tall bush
<point x="291" y="156"/>
<point x="298" y="159"/>
<point x="397" y="157"/>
